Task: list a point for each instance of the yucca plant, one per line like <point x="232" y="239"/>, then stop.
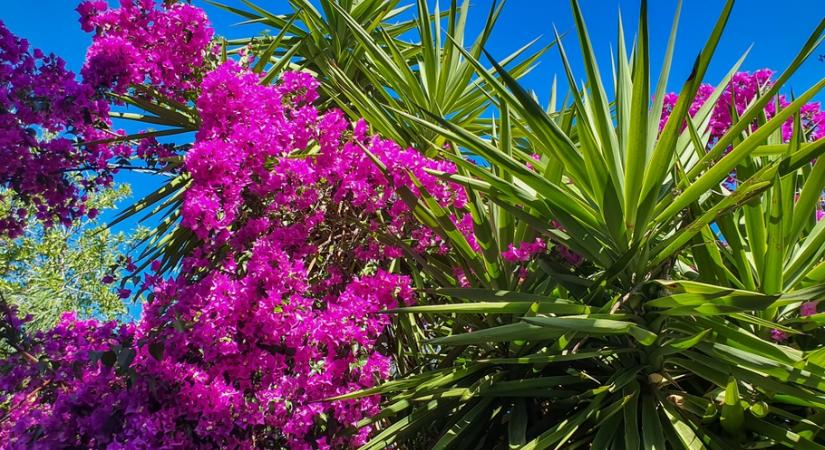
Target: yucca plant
<point x="681" y="327"/>
<point x="372" y="58"/>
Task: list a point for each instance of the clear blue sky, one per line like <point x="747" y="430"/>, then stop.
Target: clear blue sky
<point x="775" y="28"/>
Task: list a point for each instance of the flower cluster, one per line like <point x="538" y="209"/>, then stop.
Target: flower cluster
<point x="279" y="307"/>
<point x="269" y="143"/>
<point x="291" y="319"/>
<point x="132" y="44"/>
<point x="55" y="140"/>
<point x="75" y="384"/>
<point x="43" y="110"/>
<point x="524" y="251"/>
<point x="738" y="95"/>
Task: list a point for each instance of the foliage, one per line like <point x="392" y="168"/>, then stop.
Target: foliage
<point x="50" y="270"/>
<point x="619" y="272"/>
<point x="363" y="58"/>
<point x="690" y="321"/>
<point x="266" y="319"/>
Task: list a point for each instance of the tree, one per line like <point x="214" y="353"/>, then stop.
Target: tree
<point x="50" y="270"/>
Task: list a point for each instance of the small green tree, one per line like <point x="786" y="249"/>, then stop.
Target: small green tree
<point x="51" y="270"/>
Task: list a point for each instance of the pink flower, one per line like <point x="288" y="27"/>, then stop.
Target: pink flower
<point x="738" y="95"/>
<point x="133" y="43"/>
<point x="112" y="62"/>
<point x="779" y="335"/>
<point x="461" y="277"/>
<point x="88" y="11"/>
<point x="39" y="95"/>
<point x="524" y="251"/>
<point x="808" y="309"/>
<point x="262" y="313"/>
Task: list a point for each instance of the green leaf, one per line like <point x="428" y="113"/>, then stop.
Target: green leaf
<point x="517" y="426"/>
<point x="156" y="350"/>
<point x="597" y="327"/>
<point x="636" y="153"/>
<point x="688" y="342"/>
<point x="653" y="437"/>
<point x="733" y="414"/>
<point x="497" y="308"/>
<point x="545" y="359"/>
<point x="109" y="358"/>
<point x="781" y="435"/>
<point x="469" y="420"/>
<point x="563" y="429"/>
<point x="684" y="432"/>
<point x="503" y="333"/>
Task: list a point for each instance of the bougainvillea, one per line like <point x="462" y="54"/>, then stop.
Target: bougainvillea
<point x="278" y="308"/>
<point x="54" y="129"/>
<point x="742" y="89"/>
<point x="738" y="95"/>
<point x="43" y="109"/>
<point x="132" y="45"/>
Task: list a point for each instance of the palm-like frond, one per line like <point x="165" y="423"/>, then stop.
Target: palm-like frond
<point x="369" y="65"/>
<point x="662" y="338"/>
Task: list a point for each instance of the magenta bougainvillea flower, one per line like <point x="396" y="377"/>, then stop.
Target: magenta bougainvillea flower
<point x="265" y="321"/>
<point x="738" y="94"/>
<point x="43" y="110"/>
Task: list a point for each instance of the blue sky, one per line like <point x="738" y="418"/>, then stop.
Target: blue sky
<point x="776" y="33"/>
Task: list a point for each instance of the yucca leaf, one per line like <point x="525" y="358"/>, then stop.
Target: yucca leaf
<point x="563" y="429"/>
<point x="546" y="359"/>
<point x="688" y="342"/>
<point x="397" y="430"/>
<point x="805" y="207"/>
<point x="497" y="308"/>
<point x="681" y="427"/>
<point x="733" y="415"/>
<point x="517" y="427"/>
<point x="469" y="419"/>
<point x="601" y="112"/>
<point x="652" y="432"/>
<point x="636" y="152"/>
<point x="781" y="435"/>
<point x="663" y="151"/>
<point x="632" y="437"/>
<point x="594" y="326"/>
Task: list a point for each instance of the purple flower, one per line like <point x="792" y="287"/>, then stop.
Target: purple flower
<point x="39" y="95"/>
<point x="524" y="251"/>
<point x="807" y="309"/>
<point x="742" y="90"/>
<point x="779" y="335"/>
